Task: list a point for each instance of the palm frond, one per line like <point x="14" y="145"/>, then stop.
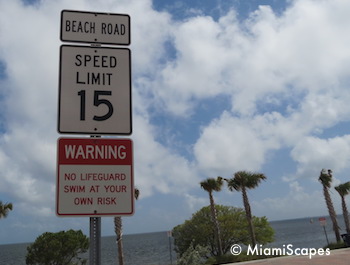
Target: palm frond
<point x="343" y="189"/>
<point x="136" y="193"/>
<point x="249" y="180"/>
<point x="326" y="177"/>
<point x="212" y="184"/>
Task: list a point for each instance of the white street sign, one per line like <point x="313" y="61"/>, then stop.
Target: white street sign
<point x="94" y="90"/>
<point x="94" y="177"/>
<point x="94" y="27"/>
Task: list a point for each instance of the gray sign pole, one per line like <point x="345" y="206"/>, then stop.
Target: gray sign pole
<point x="95" y="235"/>
<point x="95" y="241"/>
<point x="325" y="232"/>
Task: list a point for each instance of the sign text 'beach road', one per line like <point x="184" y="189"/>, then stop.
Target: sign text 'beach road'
<point x="94" y="27"/>
<point x="94" y="90"/>
<point x="95" y="177"/>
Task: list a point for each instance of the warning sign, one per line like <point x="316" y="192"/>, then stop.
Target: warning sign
<point x="94" y="177"/>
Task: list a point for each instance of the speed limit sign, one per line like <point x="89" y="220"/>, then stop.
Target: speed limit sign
<point x="94" y="90"/>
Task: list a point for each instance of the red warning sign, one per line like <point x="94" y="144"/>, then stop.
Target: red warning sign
<point x="94" y="177"/>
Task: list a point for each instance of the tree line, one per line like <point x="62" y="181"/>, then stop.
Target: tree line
<point x="221" y="239"/>
<point x="241" y="182"/>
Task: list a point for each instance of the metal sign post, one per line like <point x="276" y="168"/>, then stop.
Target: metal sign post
<point x="95" y="241"/>
<point x="323" y="223"/>
<point x="170" y="234"/>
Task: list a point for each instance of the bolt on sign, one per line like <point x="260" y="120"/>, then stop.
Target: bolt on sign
<point x="94" y="27"/>
<point x="94" y="90"/>
<point x="94" y="177"/>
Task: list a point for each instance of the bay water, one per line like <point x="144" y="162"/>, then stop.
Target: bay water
<point x="154" y="248"/>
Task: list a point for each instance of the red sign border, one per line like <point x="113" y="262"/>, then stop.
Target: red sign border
<point x="92" y="141"/>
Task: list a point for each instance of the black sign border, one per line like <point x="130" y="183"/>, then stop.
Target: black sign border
<point x="59" y="96"/>
<point x="94" y="42"/>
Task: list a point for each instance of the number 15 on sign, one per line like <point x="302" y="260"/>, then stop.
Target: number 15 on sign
<point x="94" y="90"/>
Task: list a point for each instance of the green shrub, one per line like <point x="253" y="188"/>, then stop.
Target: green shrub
<point x="199" y="230"/>
<point x="62" y="248"/>
<point x="193" y="256"/>
<point x="337" y="245"/>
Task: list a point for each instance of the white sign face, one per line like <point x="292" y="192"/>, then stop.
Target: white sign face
<point x="93" y="27"/>
<point x="94" y="177"/>
<point x="94" y="90"/>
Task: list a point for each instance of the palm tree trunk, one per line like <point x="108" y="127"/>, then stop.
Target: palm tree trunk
<point x="216" y="223"/>
<point x="345" y="214"/>
<point x="332" y="213"/>
<point x="248" y="213"/>
<point x="119" y="232"/>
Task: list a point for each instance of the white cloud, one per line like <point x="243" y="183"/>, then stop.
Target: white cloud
<point x="157" y="169"/>
<point x="268" y="57"/>
<point x="313" y="154"/>
<point x="182" y="79"/>
<point x="194" y="202"/>
<point x="289" y="65"/>
<point x="296" y="203"/>
<point x="230" y="144"/>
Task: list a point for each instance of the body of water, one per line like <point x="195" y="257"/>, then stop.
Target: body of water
<point x="153" y="248"/>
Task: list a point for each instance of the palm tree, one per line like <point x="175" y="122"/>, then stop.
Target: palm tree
<point x="241" y="181"/>
<point x="118" y="228"/>
<point x="4" y="209"/>
<point x="343" y="190"/>
<point x="326" y="180"/>
<point x="210" y="185"/>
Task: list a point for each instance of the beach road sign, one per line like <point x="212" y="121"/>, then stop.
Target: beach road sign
<point x="94" y="177"/>
<point x="95" y="27"/>
<point x="94" y="90"/>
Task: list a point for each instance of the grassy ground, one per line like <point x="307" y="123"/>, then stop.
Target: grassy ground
<point x="336" y="245"/>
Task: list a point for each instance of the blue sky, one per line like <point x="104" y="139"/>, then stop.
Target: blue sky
<point x="218" y="87"/>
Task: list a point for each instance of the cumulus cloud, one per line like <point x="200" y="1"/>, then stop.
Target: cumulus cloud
<point x="157" y="168"/>
<point x="288" y="82"/>
<point x="265" y="58"/>
<point x="297" y="203"/>
<point x="313" y="154"/>
<point x="231" y="144"/>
